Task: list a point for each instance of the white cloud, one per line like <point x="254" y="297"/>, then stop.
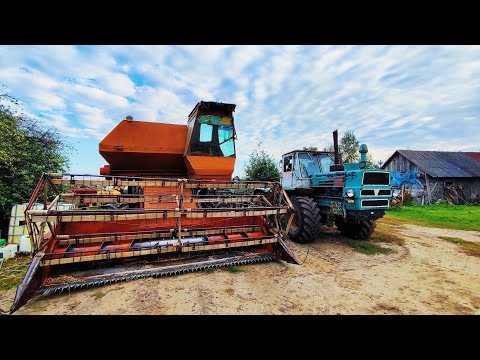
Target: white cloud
<point x="92" y="117"/>
<point x="417" y="97"/>
<point x="118" y="84"/>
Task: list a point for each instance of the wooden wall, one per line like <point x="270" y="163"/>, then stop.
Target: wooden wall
<point x="401" y="164"/>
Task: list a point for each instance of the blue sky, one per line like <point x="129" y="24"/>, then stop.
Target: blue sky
<point x="393" y="97"/>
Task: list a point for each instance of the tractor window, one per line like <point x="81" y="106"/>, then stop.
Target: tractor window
<point x="308" y="165"/>
<point x="287" y="163"/>
<point x="325" y="162"/>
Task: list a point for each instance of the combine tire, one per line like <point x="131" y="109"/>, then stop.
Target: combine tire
<point x="307" y="220"/>
<point x="358" y="230"/>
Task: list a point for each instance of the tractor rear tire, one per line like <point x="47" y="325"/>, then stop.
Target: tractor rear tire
<point x="307" y="220"/>
<point x="358" y="230"/>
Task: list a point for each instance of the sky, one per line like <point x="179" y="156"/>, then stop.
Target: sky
<point x="287" y="97"/>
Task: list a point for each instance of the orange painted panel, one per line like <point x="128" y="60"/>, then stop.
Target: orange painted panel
<point x="142" y="136"/>
<point x="208" y="167"/>
<point x="145" y="146"/>
<point x="92" y="227"/>
<point x="166" y="200"/>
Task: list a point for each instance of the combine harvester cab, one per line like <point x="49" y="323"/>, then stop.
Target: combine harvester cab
<point x="164" y="205"/>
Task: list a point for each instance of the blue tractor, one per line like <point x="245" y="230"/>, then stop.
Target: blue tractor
<point x="325" y="192"/>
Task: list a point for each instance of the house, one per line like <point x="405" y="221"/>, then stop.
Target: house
<point x="444" y="175"/>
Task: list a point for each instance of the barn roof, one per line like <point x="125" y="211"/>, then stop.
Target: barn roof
<point x="441" y="163"/>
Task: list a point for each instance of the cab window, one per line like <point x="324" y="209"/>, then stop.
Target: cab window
<point x="213" y="136"/>
<point x="287" y="163"/>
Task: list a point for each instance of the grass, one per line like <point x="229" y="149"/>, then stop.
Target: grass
<point x="386" y="234"/>
<point x="454" y="240"/>
<point x="469" y="247"/>
<point x="13" y="271"/>
<point x="209" y="270"/>
<point x="233" y="269"/>
<point x="459" y="217"/>
<point x="98" y="295"/>
<point x="369" y="248"/>
<point x="383" y="234"/>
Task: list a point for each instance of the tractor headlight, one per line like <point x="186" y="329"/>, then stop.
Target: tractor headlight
<point x="350" y="193"/>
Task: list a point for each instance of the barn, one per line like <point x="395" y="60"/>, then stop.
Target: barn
<point x="443" y="175"/>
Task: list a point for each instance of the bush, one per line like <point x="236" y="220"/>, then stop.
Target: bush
<point x="261" y="167"/>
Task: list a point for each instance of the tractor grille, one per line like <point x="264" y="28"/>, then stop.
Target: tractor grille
<point x="367" y="203"/>
<point x="376" y="178"/>
<point x="373" y="192"/>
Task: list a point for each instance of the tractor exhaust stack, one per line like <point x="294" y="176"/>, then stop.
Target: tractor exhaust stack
<point x="335" y="147"/>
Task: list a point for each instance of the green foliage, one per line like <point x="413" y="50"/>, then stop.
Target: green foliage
<point x="348" y="151"/>
<point x="329" y="148"/>
<point x="384" y="233"/>
<point x="348" y="148"/>
<point x="13" y="271"/>
<point x="454" y="240"/>
<point x="369" y="248"/>
<point x="407" y="198"/>
<point x="461" y="217"/>
<point x="27" y="149"/>
<point x="233" y="269"/>
<point x="261" y="167"/>
<point x="471" y="248"/>
<point x="371" y="164"/>
<point x="98" y="295"/>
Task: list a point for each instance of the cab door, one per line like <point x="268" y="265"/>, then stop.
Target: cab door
<point x="287" y="173"/>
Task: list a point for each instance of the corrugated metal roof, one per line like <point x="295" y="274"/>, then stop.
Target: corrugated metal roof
<point x="474" y="155"/>
<point x="442" y="163"/>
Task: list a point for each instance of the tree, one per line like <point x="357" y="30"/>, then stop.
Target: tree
<point x="348" y="147"/>
<point x="261" y="167"/>
<point x="373" y="164"/>
<point x="348" y="151"/>
<point x="27" y="149"/>
<point x="370" y="163"/>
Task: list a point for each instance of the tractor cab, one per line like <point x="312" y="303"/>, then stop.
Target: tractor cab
<point x="299" y="166"/>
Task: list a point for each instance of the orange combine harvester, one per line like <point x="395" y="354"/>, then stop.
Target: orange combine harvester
<point x="164" y="205"/>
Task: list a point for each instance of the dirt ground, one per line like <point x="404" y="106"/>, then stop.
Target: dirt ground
<point x="426" y="275"/>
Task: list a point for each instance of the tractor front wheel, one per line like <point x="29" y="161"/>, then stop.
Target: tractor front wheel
<point x="306" y="223"/>
<point x="358" y="229"/>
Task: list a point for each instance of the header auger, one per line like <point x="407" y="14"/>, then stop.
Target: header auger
<point x="164" y="205"/>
